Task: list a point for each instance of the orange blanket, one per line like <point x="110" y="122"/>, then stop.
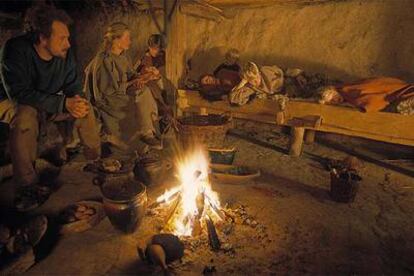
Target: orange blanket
<point x="375" y="94"/>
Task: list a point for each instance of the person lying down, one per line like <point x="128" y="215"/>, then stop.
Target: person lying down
<point x="369" y="95"/>
<point x="225" y="77"/>
<point x="265" y="82"/>
<point x="374" y="94"/>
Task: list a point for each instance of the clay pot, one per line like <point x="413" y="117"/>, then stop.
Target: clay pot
<point x="151" y="171"/>
<point x="344" y="186"/>
<point x="125" y="201"/>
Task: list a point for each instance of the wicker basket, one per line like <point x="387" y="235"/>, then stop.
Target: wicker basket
<point x="208" y="130"/>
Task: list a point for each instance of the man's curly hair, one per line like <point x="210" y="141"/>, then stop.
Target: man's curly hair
<point x="39" y="19"/>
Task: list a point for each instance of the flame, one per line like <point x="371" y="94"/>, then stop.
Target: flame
<point x="168" y="195"/>
<point x="193" y="177"/>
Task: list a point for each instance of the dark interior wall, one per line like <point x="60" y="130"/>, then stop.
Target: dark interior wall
<point x="90" y="28"/>
<point x="344" y="39"/>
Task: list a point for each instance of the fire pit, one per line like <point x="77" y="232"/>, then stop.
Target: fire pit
<point x="209" y="227"/>
<point x="193" y="202"/>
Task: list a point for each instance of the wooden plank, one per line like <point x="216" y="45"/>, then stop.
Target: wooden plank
<point x="381" y="126"/>
<point x="310" y="121"/>
<point x="263" y="111"/>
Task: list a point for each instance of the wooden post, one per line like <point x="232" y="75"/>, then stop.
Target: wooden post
<point x="175" y="52"/>
<point x="181" y="102"/>
<point x="296" y="142"/>
<point x="203" y="111"/>
<point x="280" y="118"/>
<point x="310" y="136"/>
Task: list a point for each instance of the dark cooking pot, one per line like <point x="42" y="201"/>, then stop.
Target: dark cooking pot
<point x="151" y="170"/>
<point x="125" y="200"/>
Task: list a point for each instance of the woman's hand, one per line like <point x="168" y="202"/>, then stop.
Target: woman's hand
<point x="139" y="84"/>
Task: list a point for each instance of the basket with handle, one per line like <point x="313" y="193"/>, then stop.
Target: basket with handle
<point x="208" y="130"/>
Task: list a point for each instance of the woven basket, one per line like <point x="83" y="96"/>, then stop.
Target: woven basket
<point x="208" y="130"/>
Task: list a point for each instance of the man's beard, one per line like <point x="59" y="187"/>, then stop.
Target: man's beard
<point x="62" y="54"/>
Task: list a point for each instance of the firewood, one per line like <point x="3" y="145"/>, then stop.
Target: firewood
<point x="216" y="210"/>
<point x="158" y="203"/>
<point x="172" y="210"/>
<point x="212" y="235"/>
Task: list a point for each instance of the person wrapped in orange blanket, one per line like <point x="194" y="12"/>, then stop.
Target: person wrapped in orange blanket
<point x="371" y="95"/>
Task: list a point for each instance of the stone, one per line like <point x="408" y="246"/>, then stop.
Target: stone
<point x="226" y="247"/>
<point x="227" y="229"/>
<point x="152" y="212"/>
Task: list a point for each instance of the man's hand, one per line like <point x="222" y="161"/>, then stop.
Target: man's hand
<point x="77" y="106"/>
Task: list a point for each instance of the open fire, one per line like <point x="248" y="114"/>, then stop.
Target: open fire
<point x="193" y="201"/>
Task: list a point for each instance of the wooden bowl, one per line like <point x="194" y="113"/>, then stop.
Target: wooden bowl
<point x="84" y="224"/>
<point x="222" y="156"/>
<point x="229" y="174"/>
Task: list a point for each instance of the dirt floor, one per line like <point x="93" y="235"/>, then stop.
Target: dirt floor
<point x="299" y="230"/>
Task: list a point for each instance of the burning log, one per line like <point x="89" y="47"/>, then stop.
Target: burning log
<point x="200" y="209"/>
<point x="216" y="210"/>
<point x="172" y="210"/>
<point x="166" y="197"/>
<point x="197" y="174"/>
<point x="191" y="197"/>
<point x="228" y="215"/>
<point x="212" y="235"/>
<point x="200" y="204"/>
<point x="196" y="228"/>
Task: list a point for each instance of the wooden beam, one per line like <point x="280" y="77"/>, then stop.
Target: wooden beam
<point x="262" y="2"/>
<point x="4" y="15"/>
<point x="202" y="11"/>
<point x="144" y="4"/>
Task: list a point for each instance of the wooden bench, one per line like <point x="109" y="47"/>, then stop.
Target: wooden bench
<point x="305" y="118"/>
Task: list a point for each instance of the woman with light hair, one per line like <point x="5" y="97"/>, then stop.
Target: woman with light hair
<point x="258" y="82"/>
<point x="107" y="77"/>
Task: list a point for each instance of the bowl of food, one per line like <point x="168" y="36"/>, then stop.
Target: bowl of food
<point x="229" y="174"/>
<point x="80" y="216"/>
<point x="222" y="155"/>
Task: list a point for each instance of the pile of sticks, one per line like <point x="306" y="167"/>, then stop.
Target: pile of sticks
<point x="202" y="200"/>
